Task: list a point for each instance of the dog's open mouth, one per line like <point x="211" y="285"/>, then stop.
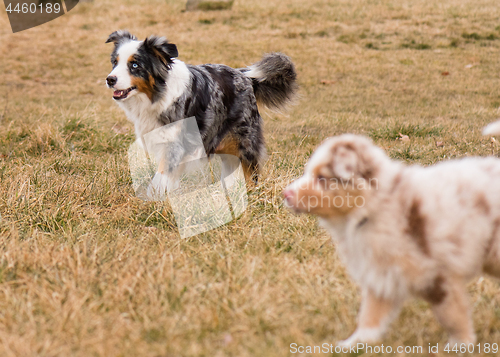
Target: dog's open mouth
<point x="122" y="94"/>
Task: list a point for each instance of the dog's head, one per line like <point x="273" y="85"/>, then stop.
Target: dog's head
<point x="338" y="177"/>
<point x="139" y="66"/>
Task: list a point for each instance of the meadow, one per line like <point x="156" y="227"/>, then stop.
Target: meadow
<point x="89" y="269"/>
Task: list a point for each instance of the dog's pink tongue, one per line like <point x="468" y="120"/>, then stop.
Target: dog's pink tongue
<point x="118" y="93"/>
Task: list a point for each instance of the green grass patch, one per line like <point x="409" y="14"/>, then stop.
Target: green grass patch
<point x="206" y="21"/>
<point x="215" y="5"/>
<point x="416" y="45"/>
<point x="476" y="37"/>
<point x="407" y="62"/>
<point x="412" y="130"/>
<point x="408" y="153"/>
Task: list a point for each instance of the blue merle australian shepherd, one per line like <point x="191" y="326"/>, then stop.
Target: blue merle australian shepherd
<point x="155" y="89"/>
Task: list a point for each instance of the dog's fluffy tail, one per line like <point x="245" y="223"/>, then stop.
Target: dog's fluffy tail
<point x="492" y="128"/>
<point x="274" y="80"/>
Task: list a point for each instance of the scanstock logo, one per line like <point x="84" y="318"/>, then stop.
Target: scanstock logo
<point x="204" y="192"/>
<point x="25" y="14"/>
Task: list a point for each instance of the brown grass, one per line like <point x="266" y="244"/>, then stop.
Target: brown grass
<point x="87" y="269"/>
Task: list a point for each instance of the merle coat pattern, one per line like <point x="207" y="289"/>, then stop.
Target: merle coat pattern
<point x="155" y="89"/>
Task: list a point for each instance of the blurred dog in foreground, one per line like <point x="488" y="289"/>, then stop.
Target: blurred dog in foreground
<point x="405" y="230"/>
<point x="154" y="89"/>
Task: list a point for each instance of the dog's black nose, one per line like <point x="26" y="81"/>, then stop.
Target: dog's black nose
<point x="111" y="80"/>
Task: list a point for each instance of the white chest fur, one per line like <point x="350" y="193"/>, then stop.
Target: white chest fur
<point x="365" y="264"/>
<point x="144" y="114"/>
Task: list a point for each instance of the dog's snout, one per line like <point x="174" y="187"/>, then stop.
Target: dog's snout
<point x="287" y="193"/>
<point x="111" y="80"/>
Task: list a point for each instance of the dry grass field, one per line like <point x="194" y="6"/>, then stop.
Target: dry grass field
<point x="88" y="269"/>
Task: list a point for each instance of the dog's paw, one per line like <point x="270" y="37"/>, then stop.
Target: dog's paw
<point x="173" y="184"/>
<point x="366" y="335"/>
<point x="347" y="342"/>
<point x="157" y="187"/>
<point x="455" y="340"/>
<point x="161" y="184"/>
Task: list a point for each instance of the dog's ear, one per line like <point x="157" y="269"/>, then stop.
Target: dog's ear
<point x="119" y="36"/>
<point x="161" y="49"/>
<point x="352" y="159"/>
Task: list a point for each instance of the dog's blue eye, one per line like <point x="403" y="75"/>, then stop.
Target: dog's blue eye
<point x="135" y="65"/>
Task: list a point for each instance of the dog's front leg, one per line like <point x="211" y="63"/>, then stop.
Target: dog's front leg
<point x="158" y="185"/>
<point x="168" y="173"/>
<point x="374" y="317"/>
